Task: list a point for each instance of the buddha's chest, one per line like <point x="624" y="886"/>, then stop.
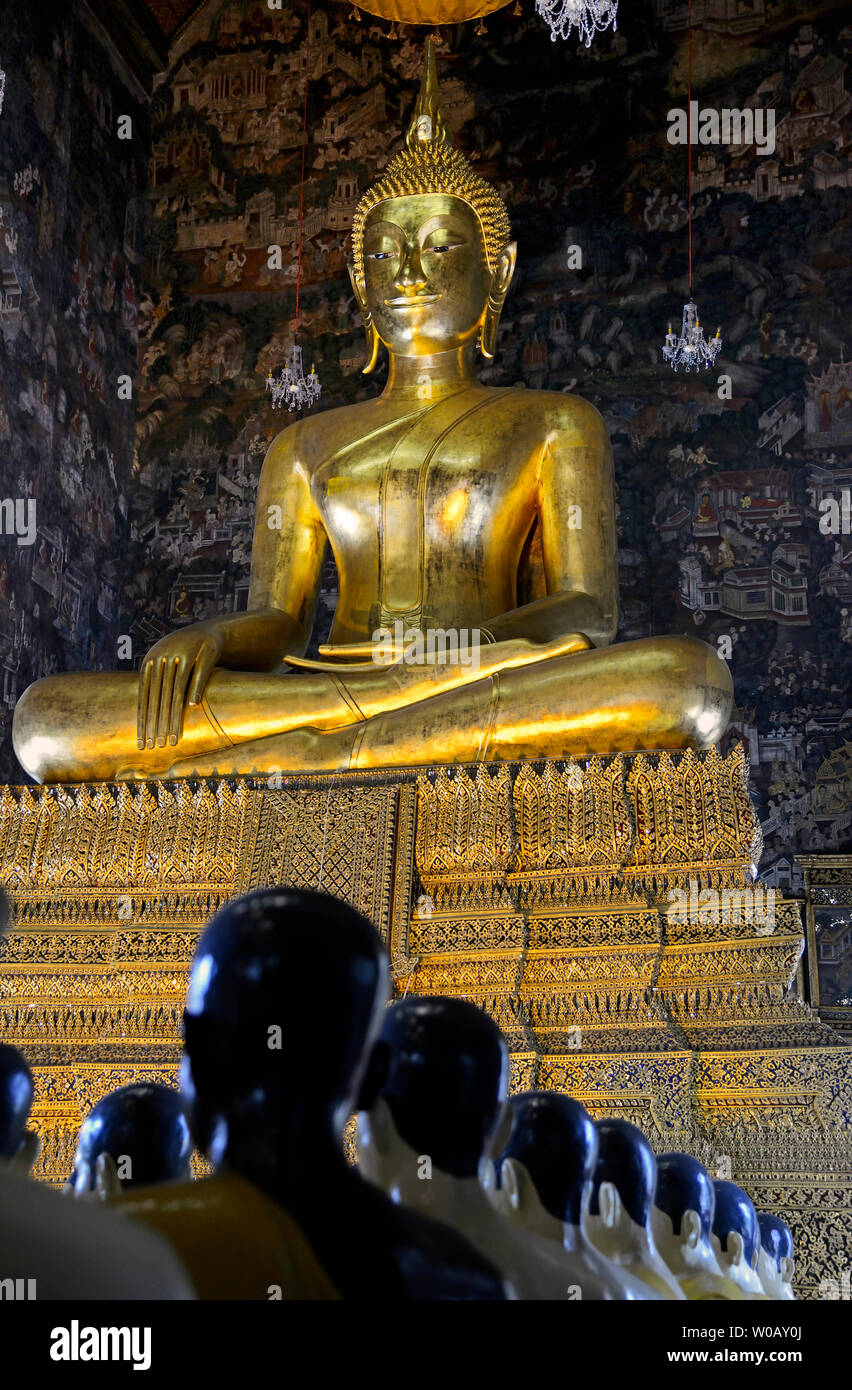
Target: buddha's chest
<point x="411" y="496"/>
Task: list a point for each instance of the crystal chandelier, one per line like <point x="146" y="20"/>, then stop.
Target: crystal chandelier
<point x="691" y="350"/>
<point x="588" y="17"/>
<point x="293" y="388"/>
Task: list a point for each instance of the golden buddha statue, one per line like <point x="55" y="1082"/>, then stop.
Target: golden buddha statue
<point x="479" y="516"/>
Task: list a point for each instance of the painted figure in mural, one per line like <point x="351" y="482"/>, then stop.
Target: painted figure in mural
<point x="474" y="534"/>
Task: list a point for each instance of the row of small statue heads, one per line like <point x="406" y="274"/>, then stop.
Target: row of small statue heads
<point x="458" y="1193"/>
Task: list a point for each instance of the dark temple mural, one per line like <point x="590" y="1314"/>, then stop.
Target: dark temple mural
<point x="71" y="191"/>
<point x="734" y="485"/>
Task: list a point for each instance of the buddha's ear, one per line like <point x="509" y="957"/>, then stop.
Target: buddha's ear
<point x="373" y="340"/>
<point x="357" y="287"/>
<point x="501" y="279"/>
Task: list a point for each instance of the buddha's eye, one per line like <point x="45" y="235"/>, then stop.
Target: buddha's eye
<point x="379" y="255"/>
<point x="439" y="250"/>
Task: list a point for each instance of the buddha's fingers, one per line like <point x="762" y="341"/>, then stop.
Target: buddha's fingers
<point x="204" y="663"/>
<point x="571" y="642"/>
<point x="154" y="701"/>
<point x="178" y="694"/>
<point x="142" y="706"/>
<point x="348" y="651"/>
<point x="337" y="668"/>
<point x="166" y="695"/>
<point x="509" y="655"/>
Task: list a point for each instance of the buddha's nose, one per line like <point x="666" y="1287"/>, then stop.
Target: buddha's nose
<point x="411" y="279"/>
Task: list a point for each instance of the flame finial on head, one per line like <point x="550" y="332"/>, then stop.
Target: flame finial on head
<point x="427" y="123"/>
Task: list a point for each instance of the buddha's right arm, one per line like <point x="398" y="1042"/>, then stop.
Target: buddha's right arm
<point x="256" y="640"/>
<point x="287" y="555"/>
<point x="287" y="559"/>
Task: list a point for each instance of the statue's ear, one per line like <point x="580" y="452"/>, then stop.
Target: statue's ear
<point x="736" y="1248"/>
<point x="514" y="1183"/>
<point x="690" y="1228"/>
<point x="486" y="1173"/>
<point x="501" y="279"/>
<point x="609" y="1204"/>
<point x="357" y="287"/>
<point x="107" y="1181"/>
<point x="81" y="1181"/>
<point x="373" y="340"/>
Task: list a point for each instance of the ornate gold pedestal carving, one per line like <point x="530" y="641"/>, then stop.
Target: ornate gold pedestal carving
<point x="601" y="912"/>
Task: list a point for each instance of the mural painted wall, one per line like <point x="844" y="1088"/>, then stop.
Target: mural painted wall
<point x="732" y="519"/>
<point x="70" y="241"/>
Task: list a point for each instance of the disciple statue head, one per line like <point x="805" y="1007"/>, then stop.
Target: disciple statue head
<point x="248" y="1013"/>
<point x="432" y="259"/>
<point x="133" y="1137"/>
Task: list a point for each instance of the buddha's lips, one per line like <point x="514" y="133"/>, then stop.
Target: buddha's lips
<point x="411" y="300"/>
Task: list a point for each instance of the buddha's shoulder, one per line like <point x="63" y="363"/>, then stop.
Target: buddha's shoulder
<point x="304" y="437"/>
<point x="545" y="410"/>
<point x="565" y="411"/>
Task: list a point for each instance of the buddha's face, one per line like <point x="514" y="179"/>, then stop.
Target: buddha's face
<point x="425" y="272"/>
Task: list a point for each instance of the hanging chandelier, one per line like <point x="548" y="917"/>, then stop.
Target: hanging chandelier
<point x="691" y="350"/>
<point x="588" y="17"/>
<point x="292" y="388"/>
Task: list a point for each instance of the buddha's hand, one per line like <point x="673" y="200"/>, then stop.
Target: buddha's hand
<point x="525" y="651"/>
<point x="173" y="675"/>
<point x="568" y="642"/>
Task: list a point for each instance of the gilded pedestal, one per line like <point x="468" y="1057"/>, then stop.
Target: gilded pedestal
<point x="601" y="912"/>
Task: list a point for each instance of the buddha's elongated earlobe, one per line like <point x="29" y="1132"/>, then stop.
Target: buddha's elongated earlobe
<point x="500" y="282"/>
<point x="489" y="326"/>
<point x="373" y="339"/>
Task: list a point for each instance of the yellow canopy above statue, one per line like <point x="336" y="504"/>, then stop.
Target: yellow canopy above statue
<point x="431" y="11"/>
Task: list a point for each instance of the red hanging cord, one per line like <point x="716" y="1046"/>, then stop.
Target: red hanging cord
<point x="304" y="153"/>
<point x="689" y="145"/>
